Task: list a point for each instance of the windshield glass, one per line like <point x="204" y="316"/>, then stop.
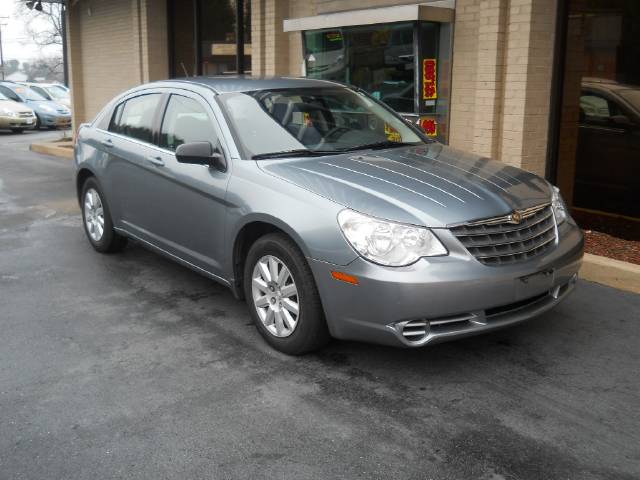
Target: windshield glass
<point x="2" y="97"/>
<point x="315" y="119"/>
<point x="58" y="92"/>
<point x="632" y="96"/>
<point x="28" y="94"/>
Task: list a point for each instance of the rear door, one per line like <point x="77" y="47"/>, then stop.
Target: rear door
<point x="186" y="208"/>
<point x="130" y="169"/>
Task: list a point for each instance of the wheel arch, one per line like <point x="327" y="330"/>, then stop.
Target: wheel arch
<point x="83" y="174"/>
<point x="251" y="230"/>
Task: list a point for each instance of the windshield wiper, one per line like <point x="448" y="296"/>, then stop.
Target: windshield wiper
<point x="383" y="144"/>
<point x="302" y="152"/>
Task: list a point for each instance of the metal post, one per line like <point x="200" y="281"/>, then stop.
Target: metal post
<point x="197" y="39"/>
<point x="1" y="53"/>
<point x="239" y="37"/>
<point x="65" y="58"/>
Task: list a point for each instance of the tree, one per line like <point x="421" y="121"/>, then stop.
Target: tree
<point x="47" y="68"/>
<point x="45" y="26"/>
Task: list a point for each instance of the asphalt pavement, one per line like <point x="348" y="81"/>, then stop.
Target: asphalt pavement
<point x="130" y="366"/>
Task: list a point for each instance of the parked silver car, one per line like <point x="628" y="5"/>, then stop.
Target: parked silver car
<point x="48" y="113"/>
<point x="327" y="211"/>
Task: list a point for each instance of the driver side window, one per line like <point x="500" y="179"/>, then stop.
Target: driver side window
<point x="185" y="121"/>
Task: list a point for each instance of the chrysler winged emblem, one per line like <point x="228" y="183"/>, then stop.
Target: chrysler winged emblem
<point x="516" y="217"/>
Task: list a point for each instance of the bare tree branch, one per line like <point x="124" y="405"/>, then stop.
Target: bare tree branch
<point x="50" y="17"/>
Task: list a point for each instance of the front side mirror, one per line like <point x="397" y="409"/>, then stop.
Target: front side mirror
<point x="201" y="153"/>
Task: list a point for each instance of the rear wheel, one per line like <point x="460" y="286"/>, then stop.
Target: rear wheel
<point x="96" y="218"/>
<point x="282" y="296"/>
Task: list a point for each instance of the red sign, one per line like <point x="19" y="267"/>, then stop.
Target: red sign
<point x="429" y="125"/>
<point x="429" y="79"/>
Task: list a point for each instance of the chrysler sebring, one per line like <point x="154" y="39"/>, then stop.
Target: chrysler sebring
<point x="328" y="212"/>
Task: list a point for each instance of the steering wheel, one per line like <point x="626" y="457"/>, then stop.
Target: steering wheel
<point x="336" y="132"/>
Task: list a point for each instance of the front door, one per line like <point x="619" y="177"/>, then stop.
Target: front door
<point x="185" y="211"/>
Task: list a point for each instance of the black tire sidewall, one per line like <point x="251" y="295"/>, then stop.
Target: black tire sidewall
<point x="105" y="244"/>
<point x="310" y="332"/>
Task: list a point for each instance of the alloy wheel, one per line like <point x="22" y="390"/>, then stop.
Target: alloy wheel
<point x="94" y="215"/>
<point x="275" y="296"/>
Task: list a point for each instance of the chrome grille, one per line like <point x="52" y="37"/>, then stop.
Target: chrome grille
<point x="500" y="241"/>
<point x="25" y="114"/>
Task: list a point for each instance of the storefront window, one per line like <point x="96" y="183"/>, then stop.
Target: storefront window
<point x="598" y="157"/>
<point x="216" y="31"/>
<point x="377" y="58"/>
<point x="397" y="63"/>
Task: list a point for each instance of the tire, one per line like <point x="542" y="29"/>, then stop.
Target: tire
<point x="38" y="123"/>
<point x="310" y="331"/>
<point x="108" y="241"/>
<point x="17" y="130"/>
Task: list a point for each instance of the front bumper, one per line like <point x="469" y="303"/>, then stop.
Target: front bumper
<point x="59" y="121"/>
<point x="17" y="122"/>
<point x="444" y="298"/>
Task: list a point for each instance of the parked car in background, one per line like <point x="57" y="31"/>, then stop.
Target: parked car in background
<point x="48" y="113"/>
<point x="51" y="91"/>
<point x="15" y="116"/>
<point x="326" y="210"/>
<point x="608" y="152"/>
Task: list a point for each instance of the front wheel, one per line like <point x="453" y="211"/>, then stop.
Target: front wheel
<point x="96" y="219"/>
<point x="17" y="130"/>
<point x="283" y="297"/>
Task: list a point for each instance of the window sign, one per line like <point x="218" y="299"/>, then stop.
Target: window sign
<point x="429" y="85"/>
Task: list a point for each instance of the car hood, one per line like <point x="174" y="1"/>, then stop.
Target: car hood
<point x="432" y="185"/>
<point x="14" y="106"/>
<point x="40" y="104"/>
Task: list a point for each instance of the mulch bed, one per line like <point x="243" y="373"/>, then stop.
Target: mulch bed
<point x="609" y="236"/>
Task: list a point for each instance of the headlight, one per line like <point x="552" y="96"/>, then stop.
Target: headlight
<point x="559" y="207"/>
<point x="48" y="108"/>
<point x="8" y="113"/>
<point x="388" y="243"/>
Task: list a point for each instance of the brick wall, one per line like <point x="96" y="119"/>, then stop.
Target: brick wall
<point x="113" y="46"/>
<point x="502" y="67"/>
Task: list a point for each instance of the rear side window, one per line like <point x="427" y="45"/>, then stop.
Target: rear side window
<point x="185" y="121"/>
<point x="134" y="118"/>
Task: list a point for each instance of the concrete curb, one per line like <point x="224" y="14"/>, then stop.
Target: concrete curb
<point x="52" y="149"/>
<point x="614" y="273"/>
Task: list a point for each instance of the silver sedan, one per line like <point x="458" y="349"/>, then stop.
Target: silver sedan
<point x="329" y="213"/>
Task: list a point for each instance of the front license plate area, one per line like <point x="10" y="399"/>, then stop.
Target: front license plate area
<point x="534" y="284"/>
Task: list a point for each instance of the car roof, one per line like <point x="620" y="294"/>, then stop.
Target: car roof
<point x="606" y="84"/>
<point x="247" y="83"/>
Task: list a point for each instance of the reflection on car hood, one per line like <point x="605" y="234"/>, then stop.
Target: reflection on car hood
<point x="430" y="185"/>
<point x="48" y="103"/>
<point x="14" y="106"/>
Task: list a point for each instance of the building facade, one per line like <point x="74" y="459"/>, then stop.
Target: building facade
<point x="521" y="81"/>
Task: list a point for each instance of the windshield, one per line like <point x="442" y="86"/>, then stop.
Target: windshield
<point x="2" y="97"/>
<point x="28" y="94"/>
<point x="313" y="119"/>
<point x="632" y="96"/>
<point x="57" y="92"/>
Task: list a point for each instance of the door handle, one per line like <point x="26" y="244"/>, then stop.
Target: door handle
<point x="107" y="143"/>
<point x="156" y="160"/>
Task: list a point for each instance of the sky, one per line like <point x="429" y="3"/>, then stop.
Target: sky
<point x="16" y="43"/>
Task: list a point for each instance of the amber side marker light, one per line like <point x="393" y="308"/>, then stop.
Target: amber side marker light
<point x="345" y="277"/>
